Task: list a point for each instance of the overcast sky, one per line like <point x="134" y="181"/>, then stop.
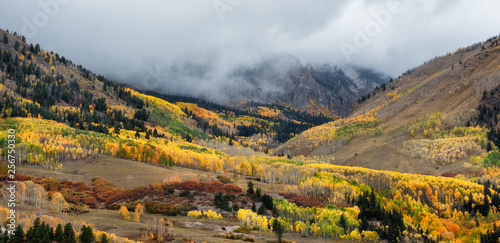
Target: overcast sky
<point x="127" y="39"/>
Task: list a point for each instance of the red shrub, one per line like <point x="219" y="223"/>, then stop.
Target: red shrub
<point x="18" y="177"/>
<point x="103" y="189"/>
<point x="447" y="174"/>
<point x="305" y="201"/>
<point x="211" y="187"/>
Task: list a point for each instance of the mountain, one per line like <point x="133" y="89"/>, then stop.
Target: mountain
<point x="283" y="79"/>
<point x="412" y="119"/>
<point x="278" y="79"/>
<point x="39" y="83"/>
<point x="366" y="79"/>
<point x="86" y="148"/>
<point x="423" y="121"/>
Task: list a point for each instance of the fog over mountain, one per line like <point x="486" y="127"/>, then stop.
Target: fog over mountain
<point x="195" y="47"/>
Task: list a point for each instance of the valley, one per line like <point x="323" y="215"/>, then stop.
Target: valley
<point x="414" y="159"/>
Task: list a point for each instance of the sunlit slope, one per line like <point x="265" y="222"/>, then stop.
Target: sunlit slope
<point x="374" y="135"/>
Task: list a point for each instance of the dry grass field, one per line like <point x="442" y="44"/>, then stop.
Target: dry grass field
<point x="128" y="174"/>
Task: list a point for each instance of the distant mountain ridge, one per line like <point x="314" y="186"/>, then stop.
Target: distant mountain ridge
<point x="283" y="79"/>
<point x="272" y="80"/>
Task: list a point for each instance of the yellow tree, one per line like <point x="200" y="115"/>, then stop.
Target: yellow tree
<point x="124" y="213"/>
<point x="138" y="211"/>
<point x="58" y="203"/>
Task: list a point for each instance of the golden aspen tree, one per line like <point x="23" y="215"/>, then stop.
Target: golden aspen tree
<point x="124" y="213"/>
<point x="138" y="212"/>
<point x="58" y="203"/>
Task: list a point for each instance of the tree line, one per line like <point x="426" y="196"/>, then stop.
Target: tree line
<point x="42" y="232"/>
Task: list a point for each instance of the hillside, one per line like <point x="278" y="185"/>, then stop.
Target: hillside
<point x="38" y="82"/>
<point x="283" y="79"/>
<point x="141" y="166"/>
<point x="413" y="116"/>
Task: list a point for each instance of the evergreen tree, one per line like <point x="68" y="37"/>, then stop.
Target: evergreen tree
<point x="278" y="229"/>
<point x="104" y="238"/>
<point x="5" y="237"/>
<point x="42" y="233"/>
<point x="30" y="234"/>
<point x="37" y="49"/>
<point x="250" y="188"/>
<point x="59" y="235"/>
<point x="51" y="234"/>
<point x="254" y="208"/>
<point x="5" y="39"/>
<point x="261" y="209"/>
<point x="236" y="208"/>
<point x="267" y="201"/>
<point x="495" y="200"/>
<point x="36" y="223"/>
<point x="343" y="223"/>
<point x="189" y="138"/>
<point x="45" y="236"/>
<point x="117" y="128"/>
<point x="488" y="147"/>
<point x="364" y="224"/>
<point x="86" y="236"/>
<point x="485" y="208"/>
<point x="257" y="193"/>
<point x="69" y="234"/>
<point x="18" y="235"/>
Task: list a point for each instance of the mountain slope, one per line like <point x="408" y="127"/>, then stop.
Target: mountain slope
<point x="41" y="84"/>
<point x="392" y="118"/>
<point x="52" y="87"/>
<point x="283" y="79"/>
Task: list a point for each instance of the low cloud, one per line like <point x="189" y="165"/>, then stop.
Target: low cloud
<point x="188" y="48"/>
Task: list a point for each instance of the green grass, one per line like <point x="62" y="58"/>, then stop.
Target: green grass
<point x="227" y="118"/>
<point x="427" y="122"/>
<point x="459" y="132"/>
<point x="195" y="149"/>
<point x="201" y="150"/>
<point x="176" y="126"/>
<point x="350" y="130"/>
<point x="285" y="161"/>
<point x="335" y="179"/>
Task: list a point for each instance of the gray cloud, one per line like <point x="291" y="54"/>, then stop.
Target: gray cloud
<point x="136" y="41"/>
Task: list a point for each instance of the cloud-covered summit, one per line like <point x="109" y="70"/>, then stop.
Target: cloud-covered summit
<point x="136" y="41"/>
